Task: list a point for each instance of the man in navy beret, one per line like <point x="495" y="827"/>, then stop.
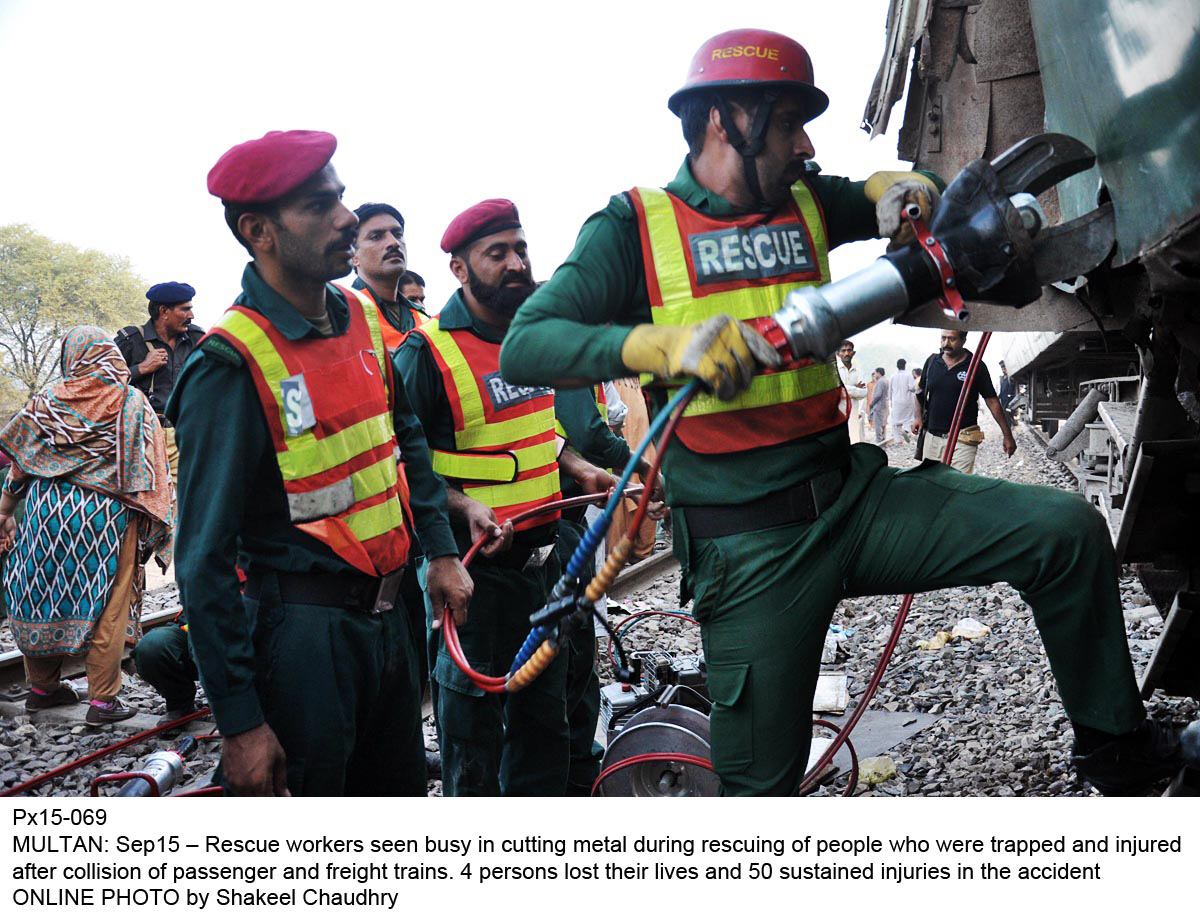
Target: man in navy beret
<point x="157" y="351"/>
<point x="292" y="424"/>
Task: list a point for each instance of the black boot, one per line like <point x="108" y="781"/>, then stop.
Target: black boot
<point x="1127" y="765"/>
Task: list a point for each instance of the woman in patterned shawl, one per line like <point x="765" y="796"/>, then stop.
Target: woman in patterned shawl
<point x="90" y="461"/>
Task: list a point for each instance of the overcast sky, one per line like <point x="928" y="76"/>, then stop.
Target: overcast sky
<point x="114" y="113"/>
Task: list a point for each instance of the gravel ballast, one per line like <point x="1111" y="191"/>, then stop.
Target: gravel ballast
<point x="1001" y="729"/>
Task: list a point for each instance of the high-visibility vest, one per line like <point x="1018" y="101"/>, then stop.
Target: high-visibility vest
<point x="505" y="454"/>
<point x="392" y="336"/>
<point x="699" y="266"/>
<point x="328" y="406"/>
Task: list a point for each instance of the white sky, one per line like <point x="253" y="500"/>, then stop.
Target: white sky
<point x="115" y="112"/>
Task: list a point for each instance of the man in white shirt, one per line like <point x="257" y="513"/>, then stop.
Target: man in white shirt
<point x="855" y="387"/>
<point x="902" y="404"/>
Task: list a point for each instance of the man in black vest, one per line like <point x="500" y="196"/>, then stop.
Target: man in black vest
<point x="937" y="393"/>
<point x="157" y="351"/>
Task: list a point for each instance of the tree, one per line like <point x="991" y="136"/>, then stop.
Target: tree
<point x="46" y="287"/>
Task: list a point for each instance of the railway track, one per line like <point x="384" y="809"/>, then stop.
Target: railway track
<point x="640" y="575"/>
<point x="12" y="670"/>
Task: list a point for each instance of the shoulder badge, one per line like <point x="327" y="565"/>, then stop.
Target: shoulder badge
<point x="222" y="351"/>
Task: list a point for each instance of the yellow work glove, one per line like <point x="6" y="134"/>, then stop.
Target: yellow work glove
<point x="892" y="192"/>
<point x="722" y="352"/>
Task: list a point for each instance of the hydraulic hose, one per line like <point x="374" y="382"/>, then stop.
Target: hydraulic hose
<point x="844" y="734"/>
<point x="853" y="782"/>
<point x="67" y="767"/>
<point x="496" y="684"/>
<point x="629" y="621"/>
<point x="539" y="648"/>
<point x="684" y="757"/>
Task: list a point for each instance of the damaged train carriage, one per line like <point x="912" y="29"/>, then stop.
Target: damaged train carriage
<point x="1121" y="76"/>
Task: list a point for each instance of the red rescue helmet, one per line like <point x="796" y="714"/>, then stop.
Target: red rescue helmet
<point x="752" y="58"/>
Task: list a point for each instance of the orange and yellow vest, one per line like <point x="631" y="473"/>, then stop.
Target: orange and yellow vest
<point x="699" y="266"/>
<point x="328" y="406"/>
<point x="505" y="455"/>
<point x="392" y="336"/>
<point x="602" y="403"/>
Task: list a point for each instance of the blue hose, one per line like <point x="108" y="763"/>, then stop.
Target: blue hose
<point x="596" y="531"/>
<point x="591" y="538"/>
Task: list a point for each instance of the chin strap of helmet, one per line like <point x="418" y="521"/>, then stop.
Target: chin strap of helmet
<point x="750" y="145"/>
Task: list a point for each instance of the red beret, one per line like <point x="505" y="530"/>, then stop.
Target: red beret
<point x="483" y="219"/>
<point x="262" y="170"/>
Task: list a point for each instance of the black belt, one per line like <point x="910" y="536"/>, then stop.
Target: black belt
<point x="341" y="591"/>
<point x="800" y="503"/>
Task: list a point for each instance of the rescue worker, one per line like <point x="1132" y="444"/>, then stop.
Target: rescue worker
<point x="778" y="517"/>
<point x="380" y="257"/>
<point x="164" y="659"/>
<point x="495" y="444"/>
<point x="290" y="423"/>
<point x="412" y="288"/>
<point x="157" y="351"/>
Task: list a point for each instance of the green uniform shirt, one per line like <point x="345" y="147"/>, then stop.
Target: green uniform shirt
<point x="233" y="507"/>
<point x="401" y="314"/>
<point x="588" y="433"/>
<point x="573" y="327"/>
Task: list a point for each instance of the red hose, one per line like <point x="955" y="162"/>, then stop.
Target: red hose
<point x="664" y="442"/>
<point x="99" y="754"/>
<point x="496" y="684"/>
<point x="853" y="783"/>
<point x="906" y="604"/>
<point x="684" y="757"/>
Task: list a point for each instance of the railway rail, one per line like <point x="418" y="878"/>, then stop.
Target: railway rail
<point x="12" y="673"/>
<point x="13" y="686"/>
<point x="12" y="670"/>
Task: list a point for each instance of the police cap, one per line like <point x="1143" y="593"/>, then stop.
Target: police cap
<point x="170" y="293"/>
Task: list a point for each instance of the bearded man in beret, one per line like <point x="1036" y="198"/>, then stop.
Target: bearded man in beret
<point x="495" y="444"/>
<point x="291" y="422"/>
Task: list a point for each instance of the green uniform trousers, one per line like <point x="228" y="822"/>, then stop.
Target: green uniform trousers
<point x="339" y="688"/>
<point x="583" y="682"/>
<point x="412" y="594"/>
<point x="164" y="659"/>
<point x="765" y="599"/>
<point x="511" y="744"/>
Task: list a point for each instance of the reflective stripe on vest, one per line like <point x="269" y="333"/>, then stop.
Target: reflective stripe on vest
<point x="328" y="407"/>
<point x="392" y="336"/>
<point x="505" y="453"/>
<point x="698" y="266"/>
